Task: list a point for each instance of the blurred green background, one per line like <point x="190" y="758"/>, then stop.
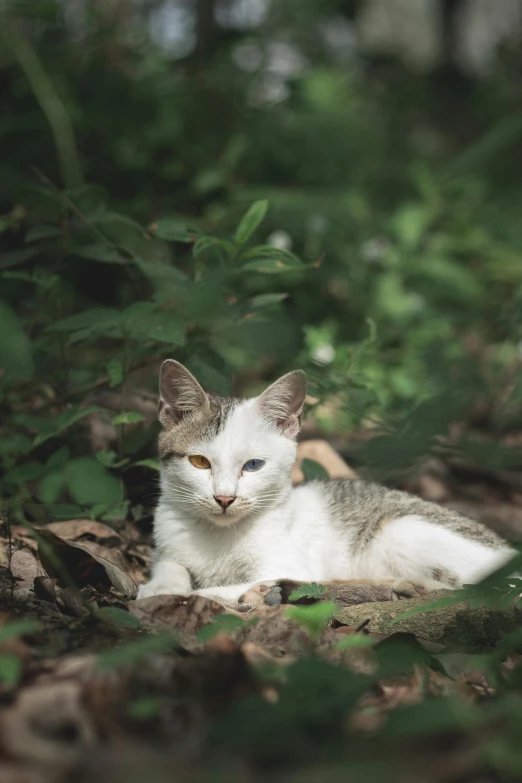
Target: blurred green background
<point x="385" y="138"/>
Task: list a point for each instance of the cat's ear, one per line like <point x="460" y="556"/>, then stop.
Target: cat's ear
<point x="282" y="403"/>
<point x="180" y="393"/>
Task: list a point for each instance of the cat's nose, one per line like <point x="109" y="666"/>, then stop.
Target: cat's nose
<point x="224" y="501"/>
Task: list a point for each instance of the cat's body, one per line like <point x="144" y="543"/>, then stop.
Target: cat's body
<point x="221" y="528"/>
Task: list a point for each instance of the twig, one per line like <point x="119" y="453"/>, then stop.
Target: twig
<point x="103" y="381"/>
<point x="72" y="206"/>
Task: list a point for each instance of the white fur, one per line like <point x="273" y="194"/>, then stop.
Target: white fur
<point x="274" y="531"/>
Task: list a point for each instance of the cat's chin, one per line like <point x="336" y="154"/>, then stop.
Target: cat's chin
<point x="228" y="518"/>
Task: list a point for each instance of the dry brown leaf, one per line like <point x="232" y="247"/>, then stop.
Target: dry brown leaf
<point x="119" y="559"/>
<point x="185" y="615"/>
<point x="83" y="565"/>
<point x="73" y="529"/>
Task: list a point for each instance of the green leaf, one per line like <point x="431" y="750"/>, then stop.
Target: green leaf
<point x="313" y="470"/>
<point x="502" y="135"/>
<point x="135" y="652"/>
<point x="269" y="251"/>
<point x="223" y="246"/>
<point x="16" y="628"/>
<point x="270" y="266"/>
<point x="312" y="590"/>
<point x="16" y="354"/>
<point x="118" y="617"/>
<point x="162" y="327"/>
<point x="100" y="252"/>
<point x="42" y="232"/>
<point x="173" y="231"/>
<point x="153" y="464"/>
<point x="107" y="457"/>
<point x="51" y="486"/>
<point x="10" y="669"/>
<point x="15" y="257"/>
<point x="210" y="370"/>
<point x="115" y="372"/>
<point x="90" y="199"/>
<point x="59" y="457"/>
<point x="128" y="417"/>
<point x="409" y="224"/>
<point x="223" y="623"/>
<point x="98" y="320"/>
<point x="49" y="429"/>
<point x="15" y="444"/>
<point x="354" y="640"/>
<point x="312" y="618"/>
<point x="144" y="708"/>
<point x="64" y="510"/>
<point x="111" y="512"/>
<point x="89" y="482"/>
<point x="250" y="221"/>
<point x="266" y="300"/>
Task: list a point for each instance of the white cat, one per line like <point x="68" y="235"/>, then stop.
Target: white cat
<point x="230" y="526"/>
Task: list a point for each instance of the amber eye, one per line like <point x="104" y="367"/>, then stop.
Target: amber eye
<point x="199" y="461"/>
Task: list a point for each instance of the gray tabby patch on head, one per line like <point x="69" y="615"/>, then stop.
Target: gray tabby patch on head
<point x="188" y="414"/>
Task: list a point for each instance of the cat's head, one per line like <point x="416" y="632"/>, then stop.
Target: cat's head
<point x="226" y="459"/>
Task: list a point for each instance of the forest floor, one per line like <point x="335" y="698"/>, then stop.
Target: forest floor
<point x="95" y="686"/>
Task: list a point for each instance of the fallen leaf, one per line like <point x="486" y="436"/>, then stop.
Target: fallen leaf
<point x="69" y="561"/>
<point x="184" y="614"/>
<point x="73" y="529"/>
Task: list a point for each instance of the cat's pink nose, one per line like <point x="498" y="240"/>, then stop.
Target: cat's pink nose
<point x="224" y="501"/>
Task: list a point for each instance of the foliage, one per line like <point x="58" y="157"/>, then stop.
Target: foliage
<point x="224" y="623"/>
<point x="312" y="590"/>
<point x="313" y="618"/>
<point x="343" y="215"/>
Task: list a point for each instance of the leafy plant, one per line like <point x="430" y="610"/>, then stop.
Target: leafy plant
<point x="312" y="590"/>
<point x="312" y="618"/>
<point x="224" y="623"/>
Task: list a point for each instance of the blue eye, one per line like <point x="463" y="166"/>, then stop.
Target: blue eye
<point x="253" y="464"/>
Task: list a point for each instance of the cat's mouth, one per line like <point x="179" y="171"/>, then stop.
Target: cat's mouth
<point x="227" y="516"/>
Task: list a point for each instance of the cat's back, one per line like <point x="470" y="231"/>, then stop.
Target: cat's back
<point x="366" y="507"/>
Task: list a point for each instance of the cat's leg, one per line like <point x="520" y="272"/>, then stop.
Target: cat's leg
<point x="412" y="547"/>
<point x="344" y="592"/>
<point x="168" y="578"/>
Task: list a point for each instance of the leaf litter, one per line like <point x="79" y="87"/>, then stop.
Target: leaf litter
<point x="116" y="689"/>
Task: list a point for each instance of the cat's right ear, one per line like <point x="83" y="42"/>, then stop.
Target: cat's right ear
<point x="180" y="393"/>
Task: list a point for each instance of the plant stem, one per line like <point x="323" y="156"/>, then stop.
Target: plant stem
<point x="49" y="100"/>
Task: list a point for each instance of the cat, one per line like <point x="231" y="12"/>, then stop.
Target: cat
<point x="230" y="526"/>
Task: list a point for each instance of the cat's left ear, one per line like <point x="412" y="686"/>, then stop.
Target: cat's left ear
<point x="282" y="403"/>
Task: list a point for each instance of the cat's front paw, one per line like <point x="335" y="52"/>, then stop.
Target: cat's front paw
<point x="260" y="596"/>
<point x="158" y="588"/>
<point x="402" y="588"/>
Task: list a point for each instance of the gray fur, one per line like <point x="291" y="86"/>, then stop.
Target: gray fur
<point x="203" y="423"/>
<point x="368" y="507"/>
